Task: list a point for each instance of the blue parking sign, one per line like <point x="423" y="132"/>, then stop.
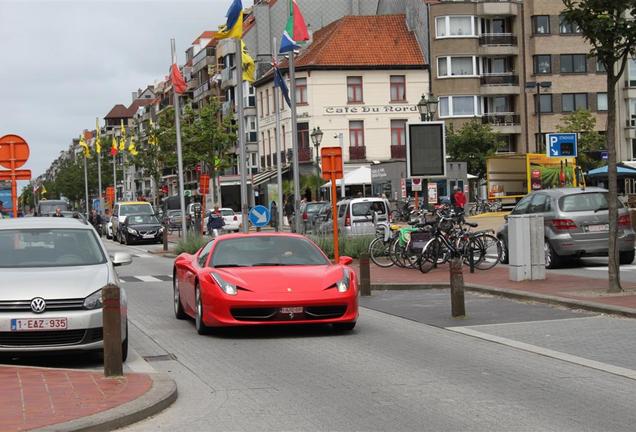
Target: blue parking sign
<point x="561" y="145"/>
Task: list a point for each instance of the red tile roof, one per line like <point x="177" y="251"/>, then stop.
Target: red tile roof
<point x="208" y="34"/>
<point x="382" y="40"/>
<point x="118" y="111"/>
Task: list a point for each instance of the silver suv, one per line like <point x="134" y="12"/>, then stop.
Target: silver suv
<point x="576" y="224"/>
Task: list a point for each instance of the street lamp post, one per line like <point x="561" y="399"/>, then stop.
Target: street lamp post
<point x="316" y="139"/>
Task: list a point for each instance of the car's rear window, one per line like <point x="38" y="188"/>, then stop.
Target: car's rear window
<point x="313" y="208"/>
<point x="227" y="212"/>
<point x="127" y="209"/>
<point x="589" y="201"/>
<point x="367" y="208"/>
<point x="49" y="248"/>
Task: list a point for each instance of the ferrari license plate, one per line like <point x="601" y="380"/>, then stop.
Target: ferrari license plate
<point x="288" y="310"/>
<point x="38" y="324"/>
<point x="598" y="228"/>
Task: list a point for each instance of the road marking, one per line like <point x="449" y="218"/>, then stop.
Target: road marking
<point x="530" y="322"/>
<point x="149" y="278"/>
<point x="592" y="364"/>
<point x="623" y="267"/>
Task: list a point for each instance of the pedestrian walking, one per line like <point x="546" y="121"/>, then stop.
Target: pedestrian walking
<point x="215" y="222"/>
<point x="96" y="220"/>
<point x="289" y="210"/>
<point x="273" y="209"/>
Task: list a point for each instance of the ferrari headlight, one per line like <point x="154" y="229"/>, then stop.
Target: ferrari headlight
<point x="343" y="284"/>
<point x="132" y="231"/>
<point x="94" y="301"/>
<point x="226" y="287"/>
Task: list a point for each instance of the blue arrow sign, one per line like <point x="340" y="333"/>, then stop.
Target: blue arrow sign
<point x="259" y="216"/>
<point x="561" y="145"/>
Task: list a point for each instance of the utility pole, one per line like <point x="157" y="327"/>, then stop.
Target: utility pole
<point x="177" y="123"/>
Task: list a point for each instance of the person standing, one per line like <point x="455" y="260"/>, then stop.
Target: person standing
<point x="215" y="222"/>
<point x="58" y="212"/>
<point x="96" y="220"/>
<point x="273" y="211"/>
<point x="289" y="209"/>
<point x="459" y="198"/>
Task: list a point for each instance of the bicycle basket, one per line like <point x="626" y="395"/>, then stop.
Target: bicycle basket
<point x="419" y="240"/>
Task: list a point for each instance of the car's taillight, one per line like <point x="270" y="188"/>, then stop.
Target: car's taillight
<point x="347" y="220"/>
<point x="305" y="216"/>
<point x="624" y="221"/>
<point x="563" y="224"/>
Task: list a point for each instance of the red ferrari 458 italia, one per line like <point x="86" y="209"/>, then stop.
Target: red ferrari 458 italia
<point x="264" y="278"/>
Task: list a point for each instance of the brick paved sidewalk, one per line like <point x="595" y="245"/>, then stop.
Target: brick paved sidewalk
<point x="37" y="397"/>
<point x="565" y="287"/>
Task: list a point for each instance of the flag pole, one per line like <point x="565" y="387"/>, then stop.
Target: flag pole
<point x="294" y="131"/>
<point x="86" y="185"/>
<point x="114" y="173"/>
<point x="241" y="134"/>
<point x="177" y="124"/>
<point x="99" y="169"/>
<point x="279" y="166"/>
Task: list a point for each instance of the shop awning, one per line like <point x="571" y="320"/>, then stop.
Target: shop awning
<point x="621" y="170"/>
<point x="359" y="176"/>
<point x="266" y="175"/>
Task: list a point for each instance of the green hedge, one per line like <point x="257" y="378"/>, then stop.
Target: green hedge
<point x="351" y="246"/>
<point x="191" y="243"/>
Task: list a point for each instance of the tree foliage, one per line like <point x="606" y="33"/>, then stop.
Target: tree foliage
<point x="589" y="140"/>
<point x="473" y="143"/>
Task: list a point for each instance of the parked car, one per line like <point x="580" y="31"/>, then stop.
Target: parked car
<point x="322" y="222"/>
<point x="261" y="279"/>
<point x="306" y="211"/>
<point x="576" y="224"/>
<point x="173" y="220"/>
<point x="141" y="228"/>
<point x="355" y="216"/>
<point x="60" y="266"/>
<point x="313" y="217"/>
<point x="125" y="208"/>
<point x="47" y="207"/>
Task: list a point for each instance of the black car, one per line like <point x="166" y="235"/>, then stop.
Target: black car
<point x="141" y="228"/>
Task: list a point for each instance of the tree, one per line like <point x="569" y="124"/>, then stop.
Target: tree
<point x="609" y="27"/>
<point x="589" y="140"/>
<point x="473" y="143"/>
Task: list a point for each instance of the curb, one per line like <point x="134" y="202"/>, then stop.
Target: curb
<point x="519" y="295"/>
<point x="160" y="396"/>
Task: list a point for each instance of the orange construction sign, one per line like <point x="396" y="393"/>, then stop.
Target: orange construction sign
<point x="332" y="170"/>
<point x="14" y="152"/>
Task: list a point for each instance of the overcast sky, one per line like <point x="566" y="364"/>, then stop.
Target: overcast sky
<point x="63" y="63"/>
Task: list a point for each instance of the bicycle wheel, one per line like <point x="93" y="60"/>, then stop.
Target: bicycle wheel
<point x="379" y="252"/>
<point x="485" y="250"/>
<point x="395" y="250"/>
<point x="430" y="255"/>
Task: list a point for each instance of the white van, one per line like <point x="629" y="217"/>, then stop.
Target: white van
<point x="355" y="216"/>
<point x="125" y="208"/>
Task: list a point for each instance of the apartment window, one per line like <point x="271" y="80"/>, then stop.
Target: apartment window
<point x="283" y="137"/>
<point x="459" y="106"/>
<point x="356" y="133"/>
<point x="398" y="88"/>
<point x="398" y="132"/>
<point x="301" y="91"/>
<point x="542" y="64"/>
<point x="505" y="144"/>
<point x="303" y="135"/>
<point x="457" y="66"/>
<point x="541" y="24"/>
<point x="260" y="104"/>
<point x="567" y="27"/>
<point x="601" y="101"/>
<point x="573" y="101"/>
<point x="456" y="26"/>
<point x="600" y="67"/>
<point x="573" y="63"/>
<point x="269" y="149"/>
<point x="633" y="148"/>
<point x="354" y="89"/>
<point x="266" y="101"/>
<point x="631" y="72"/>
<point x="545" y="103"/>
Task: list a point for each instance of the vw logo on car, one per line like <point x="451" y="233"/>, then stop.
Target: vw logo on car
<point x="38" y="305"/>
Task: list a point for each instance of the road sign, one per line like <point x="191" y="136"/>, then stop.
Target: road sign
<point x="432" y="193"/>
<point x="204" y="184"/>
<point x="187" y="193"/>
<point x="403" y="187"/>
<point x="604" y="155"/>
<point x="259" y="216"/>
<point x="22" y="174"/>
<point x="14" y="151"/>
<point x="425" y="150"/>
<point x="416" y="184"/>
<point x="561" y="145"/>
<point x="331" y="158"/>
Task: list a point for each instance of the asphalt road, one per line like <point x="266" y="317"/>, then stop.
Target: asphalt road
<point x="406" y="367"/>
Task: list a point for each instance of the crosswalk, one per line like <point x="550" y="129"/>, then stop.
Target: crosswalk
<point x="149" y="278"/>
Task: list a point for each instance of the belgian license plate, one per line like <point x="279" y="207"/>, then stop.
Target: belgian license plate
<point x="295" y="309"/>
<point x="149" y="236"/>
<point x="598" y="228"/>
<point x="38" y="324"/>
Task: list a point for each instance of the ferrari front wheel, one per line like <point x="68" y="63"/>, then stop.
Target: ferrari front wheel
<point x="179" y="313"/>
<point x="344" y="326"/>
<point x="198" y="319"/>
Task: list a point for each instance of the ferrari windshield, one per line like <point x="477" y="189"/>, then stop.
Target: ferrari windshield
<point x="254" y="251"/>
<point x="49" y="248"/>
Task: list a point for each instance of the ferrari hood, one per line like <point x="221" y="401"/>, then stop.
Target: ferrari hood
<point x="266" y="279"/>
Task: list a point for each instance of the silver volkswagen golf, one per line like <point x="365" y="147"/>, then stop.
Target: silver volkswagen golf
<point x="52" y="271"/>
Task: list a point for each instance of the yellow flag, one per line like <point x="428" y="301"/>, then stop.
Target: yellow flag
<point x="249" y="68"/>
<point x="132" y="149"/>
<point x="233" y="28"/>
<point x="98" y="138"/>
<point x="43" y="190"/>
<point x="152" y="137"/>
<point x="83" y="145"/>
<point x="122" y="140"/>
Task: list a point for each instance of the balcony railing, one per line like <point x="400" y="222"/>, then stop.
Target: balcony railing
<point x="498" y="39"/>
<point x="358" y="153"/>
<point x="398" y="152"/>
<point x="501" y="119"/>
<point x="305" y="154"/>
<point x="500" y="79"/>
<point x="201" y="89"/>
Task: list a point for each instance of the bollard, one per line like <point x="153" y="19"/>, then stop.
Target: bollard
<point x="458" y="309"/>
<point x="165" y="238"/>
<point x="365" y="275"/>
<point x="111" y="319"/>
